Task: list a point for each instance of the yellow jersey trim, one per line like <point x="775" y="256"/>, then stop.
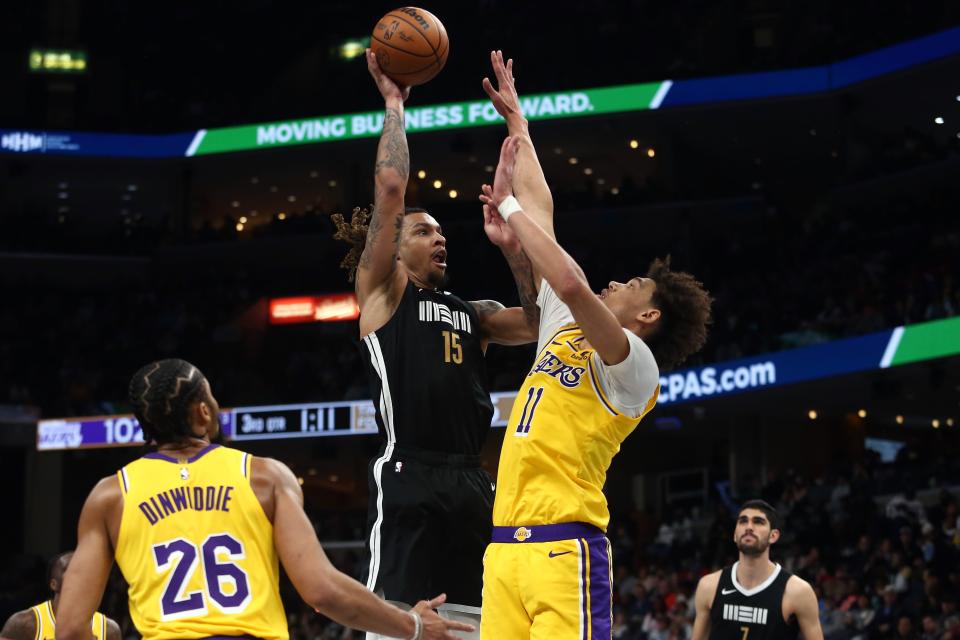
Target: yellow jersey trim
<point x="36" y="614"/>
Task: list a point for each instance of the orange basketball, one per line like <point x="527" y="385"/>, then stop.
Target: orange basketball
<point x="411" y="45"/>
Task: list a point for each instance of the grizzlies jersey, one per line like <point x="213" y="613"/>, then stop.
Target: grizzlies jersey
<point x="428" y="374"/>
<point x="197" y="549"/>
<point x="47" y="622"/>
<point x="565" y="428"/>
<point x="755" y="614"/>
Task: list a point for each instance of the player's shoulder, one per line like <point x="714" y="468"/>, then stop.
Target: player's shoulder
<point x="710" y="580"/>
<point x="798" y="587"/>
<point x="270" y="469"/>
<point x="22" y="624"/>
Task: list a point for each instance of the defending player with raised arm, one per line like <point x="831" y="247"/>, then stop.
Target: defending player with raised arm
<point x="198" y="529"/>
<point x="430" y="501"/>
<point x="40" y="621"/>
<point x="755" y="598"/>
<point x="596" y="375"/>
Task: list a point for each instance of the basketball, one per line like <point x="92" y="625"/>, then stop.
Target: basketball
<point x="411" y="45"/>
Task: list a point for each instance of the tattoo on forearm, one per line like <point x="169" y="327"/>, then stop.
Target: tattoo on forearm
<point x="522" y="271"/>
<point x="393" y="152"/>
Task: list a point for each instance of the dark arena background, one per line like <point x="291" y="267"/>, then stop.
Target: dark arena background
<point x="167" y="175"/>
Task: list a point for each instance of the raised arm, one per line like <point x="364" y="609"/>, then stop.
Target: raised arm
<point x="514" y="325"/>
<point x="377" y="270"/>
<point x="320" y="584"/>
<point x="599" y="325"/>
<point x="87" y="574"/>
<point x="529" y="183"/>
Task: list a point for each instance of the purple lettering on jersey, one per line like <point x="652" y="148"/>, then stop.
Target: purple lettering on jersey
<point x="215" y="570"/>
<point x="198" y="498"/>
<point x="156" y="508"/>
<point x="568" y="375"/>
<point x="166" y="504"/>
<point x="179" y="498"/>
<point x="148" y="512"/>
<point x="226" y="498"/>
<point x="220" y="498"/>
<point x="211" y="498"/>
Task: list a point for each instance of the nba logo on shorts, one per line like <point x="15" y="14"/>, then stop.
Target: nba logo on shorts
<point x="522" y="534"/>
<point x="398" y="467"/>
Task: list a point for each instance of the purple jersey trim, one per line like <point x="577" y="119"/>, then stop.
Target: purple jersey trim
<point x="545" y="532"/>
<point x="160" y="456"/>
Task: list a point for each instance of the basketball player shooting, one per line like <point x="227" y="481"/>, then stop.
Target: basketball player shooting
<point x="430" y="501"/>
<point x="547" y="571"/>
<point x="755" y="598"/>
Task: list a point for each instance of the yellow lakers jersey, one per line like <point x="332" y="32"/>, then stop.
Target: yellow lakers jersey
<point x="562" y="434"/>
<point x="197" y="549"/>
<point x="47" y="622"/>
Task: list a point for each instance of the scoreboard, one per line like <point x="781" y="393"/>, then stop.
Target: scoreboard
<point x="272" y="422"/>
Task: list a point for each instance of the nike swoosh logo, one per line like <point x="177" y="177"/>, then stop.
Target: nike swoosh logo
<point x="727" y="592"/>
<point x="562" y="553"/>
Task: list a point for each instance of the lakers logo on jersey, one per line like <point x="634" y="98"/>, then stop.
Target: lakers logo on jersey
<point x="568" y="375"/>
<point x="522" y="534"/>
<point x="565" y="433"/>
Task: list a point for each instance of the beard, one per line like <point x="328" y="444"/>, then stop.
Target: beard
<point x="753" y="548"/>
<point x="438" y="279"/>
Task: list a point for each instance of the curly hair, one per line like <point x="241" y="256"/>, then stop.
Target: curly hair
<point x="354" y="233"/>
<point x="684" y="314"/>
<point x="161" y="394"/>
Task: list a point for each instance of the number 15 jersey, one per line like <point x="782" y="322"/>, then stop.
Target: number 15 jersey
<point x="569" y="418"/>
<point x="197" y="548"/>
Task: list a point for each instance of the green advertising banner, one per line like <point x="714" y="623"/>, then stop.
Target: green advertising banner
<point x="454" y="115"/>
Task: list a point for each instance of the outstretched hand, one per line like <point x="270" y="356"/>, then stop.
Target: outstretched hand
<point x="503" y="177"/>
<point x="388" y="88"/>
<point x="435" y="627"/>
<point x="499" y="232"/>
<point x="504" y="97"/>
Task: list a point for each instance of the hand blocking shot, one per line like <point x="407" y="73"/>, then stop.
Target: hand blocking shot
<point x="547" y="571"/>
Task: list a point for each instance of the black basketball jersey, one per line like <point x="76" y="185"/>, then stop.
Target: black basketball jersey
<point x="428" y="374"/>
<point x="751" y="614"/>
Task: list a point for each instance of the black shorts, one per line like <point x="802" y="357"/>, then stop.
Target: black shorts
<point x="429" y="523"/>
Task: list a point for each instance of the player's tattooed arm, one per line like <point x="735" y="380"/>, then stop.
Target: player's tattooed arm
<point x="504" y="325"/>
<point x="378" y="262"/>
<point x="522" y="270"/>
<point x="20" y="626"/>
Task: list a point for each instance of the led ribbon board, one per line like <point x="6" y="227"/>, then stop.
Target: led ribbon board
<point x="903" y="345"/>
<point x="478" y="113"/>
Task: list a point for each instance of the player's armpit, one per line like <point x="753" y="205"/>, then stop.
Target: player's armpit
<point x="506" y="326"/>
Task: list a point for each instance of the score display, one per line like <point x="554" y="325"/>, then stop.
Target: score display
<point x="239" y="423"/>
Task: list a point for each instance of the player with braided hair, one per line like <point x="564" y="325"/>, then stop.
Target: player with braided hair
<point x="430" y="501"/>
<point x="199" y="529"/>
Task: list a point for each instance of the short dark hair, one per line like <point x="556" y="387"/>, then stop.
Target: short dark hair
<point x="53" y="566"/>
<point x="684" y="315"/>
<point x="161" y="394"/>
<point x="776" y="522"/>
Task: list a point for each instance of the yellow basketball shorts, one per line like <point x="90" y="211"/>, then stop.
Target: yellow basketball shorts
<point x="547" y="582"/>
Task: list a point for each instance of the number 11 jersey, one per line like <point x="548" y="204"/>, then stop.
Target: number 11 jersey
<point x="567" y="423"/>
<point x="197" y="548"/>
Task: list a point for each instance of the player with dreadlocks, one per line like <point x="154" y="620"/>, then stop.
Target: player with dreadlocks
<point x="198" y="529"/>
<point x="430" y="501"/>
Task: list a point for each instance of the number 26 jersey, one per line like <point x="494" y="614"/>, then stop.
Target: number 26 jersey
<point x="197" y="548"/>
